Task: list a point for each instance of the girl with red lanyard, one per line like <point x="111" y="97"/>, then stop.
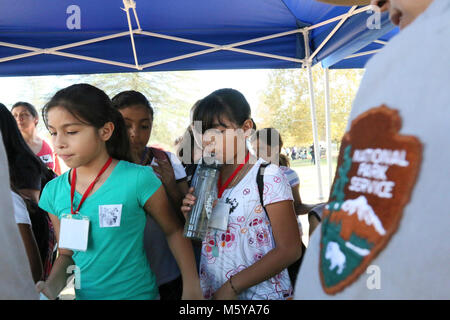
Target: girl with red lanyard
<point x="99" y="207"/>
<point x="248" y="258"/>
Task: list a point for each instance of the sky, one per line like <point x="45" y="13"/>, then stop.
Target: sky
<point x="249" y="82"/>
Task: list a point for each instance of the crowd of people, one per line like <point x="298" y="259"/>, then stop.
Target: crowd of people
<point x="136" y="199"/>
<point x="118" y="213"/>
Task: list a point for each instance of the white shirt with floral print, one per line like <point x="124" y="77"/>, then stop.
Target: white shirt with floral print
<point x="248" y="237"/>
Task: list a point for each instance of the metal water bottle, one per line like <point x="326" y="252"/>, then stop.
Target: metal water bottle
<point x="205" y="192"/>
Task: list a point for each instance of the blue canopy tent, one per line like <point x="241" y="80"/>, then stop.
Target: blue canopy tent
<point x="48" y="37"/>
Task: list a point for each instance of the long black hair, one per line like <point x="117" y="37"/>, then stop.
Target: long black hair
<point x="25" y="165"/>
<point x="93" y="107"/>
<point x="21" y="159"/>
<point x="221" y="103"/>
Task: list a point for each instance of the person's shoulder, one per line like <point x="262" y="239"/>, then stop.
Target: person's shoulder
<point x="269" y="168"/>
<point x="46" y="146"/>
<point x="131" y="169"/>
<point x="17" y="200"/>
<point x="57" y="182"/>
<point x="285" y="169"/>
<point x="61" y="178"/>
<point x="177" y="165"/>
<point x="20" y="209"/>
<point x="173" y="158"/>
<point x="126" y="165"/>
<point x="169" y="153"/>
<point x="288" y="171"/>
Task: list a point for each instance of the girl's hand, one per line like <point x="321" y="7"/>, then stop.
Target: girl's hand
<point x="188" y="202"/>
<point x="165" y="171"/>
<point x="225" y="292"/>
<point x="192" y="294"/>
<point x="42" y="287"/>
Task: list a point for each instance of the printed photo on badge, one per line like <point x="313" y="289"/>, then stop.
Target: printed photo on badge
<point x="46" y="158"/>
<point x="109" y="215"/>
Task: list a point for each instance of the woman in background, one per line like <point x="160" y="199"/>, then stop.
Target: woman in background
<point x="27" y="119"/>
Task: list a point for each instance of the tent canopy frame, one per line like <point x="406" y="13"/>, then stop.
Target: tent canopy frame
<point x="306" y="63"/>
<point x="130" y="4"/>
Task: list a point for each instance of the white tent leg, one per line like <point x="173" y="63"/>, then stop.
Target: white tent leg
<point x="308" y="66"/>
<point x="315" y="135"/>
<point x="327" y="127"/>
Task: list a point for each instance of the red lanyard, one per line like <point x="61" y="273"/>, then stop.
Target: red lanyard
<point x="223" y="187"/>
<point x="88" y="190"/>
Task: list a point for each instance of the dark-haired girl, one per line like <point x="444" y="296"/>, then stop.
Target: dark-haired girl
<point x="139" y="118"/>
<point x="268" y="144"/>
<point x="103" y="200"/>
<point x="248" y="257"/>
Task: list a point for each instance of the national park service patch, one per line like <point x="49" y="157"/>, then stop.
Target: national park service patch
<point x="376" y="173"/>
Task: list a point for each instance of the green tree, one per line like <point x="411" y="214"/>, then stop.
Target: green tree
<point x="168" y="93"/>
<point x="285" y="104"/>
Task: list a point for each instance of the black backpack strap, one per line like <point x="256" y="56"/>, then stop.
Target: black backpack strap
<point x="293" y="268"/>
<point x="260" y="182"/>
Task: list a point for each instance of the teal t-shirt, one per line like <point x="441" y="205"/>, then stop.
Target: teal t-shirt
<point x="114" y="266"/>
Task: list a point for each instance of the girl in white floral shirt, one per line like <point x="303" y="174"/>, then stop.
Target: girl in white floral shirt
<point x="249" y="259"/>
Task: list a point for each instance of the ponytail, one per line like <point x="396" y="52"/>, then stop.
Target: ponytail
<point x="284" y="160"/>
<point x="118" y="145"/>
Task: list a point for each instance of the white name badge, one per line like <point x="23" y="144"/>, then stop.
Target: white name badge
<point x="219" y="216"/>
<point x="73" y="232"/>
<point x="109" y="215"/>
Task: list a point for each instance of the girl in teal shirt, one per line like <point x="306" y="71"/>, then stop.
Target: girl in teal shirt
<point x="90" y="136"/>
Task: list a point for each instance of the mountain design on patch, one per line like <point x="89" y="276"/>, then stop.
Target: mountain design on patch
<point x="356" y="211"/>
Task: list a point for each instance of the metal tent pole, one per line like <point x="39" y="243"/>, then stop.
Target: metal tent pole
<point x="313" y="112"/>
<point x="131" y="4"/>
<point x="327" y="126"/>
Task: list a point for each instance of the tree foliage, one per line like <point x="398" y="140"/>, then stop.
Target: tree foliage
<point x="171" y="101"/>
<point x="285" y="104"/>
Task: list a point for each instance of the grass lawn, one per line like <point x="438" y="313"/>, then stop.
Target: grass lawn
<point x="309" y="187"/>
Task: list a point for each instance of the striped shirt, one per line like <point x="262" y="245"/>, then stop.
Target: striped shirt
<point x="291" y="175"/>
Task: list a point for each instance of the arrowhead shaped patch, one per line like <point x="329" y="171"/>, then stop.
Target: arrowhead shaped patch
<point x="377" y="170"/>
